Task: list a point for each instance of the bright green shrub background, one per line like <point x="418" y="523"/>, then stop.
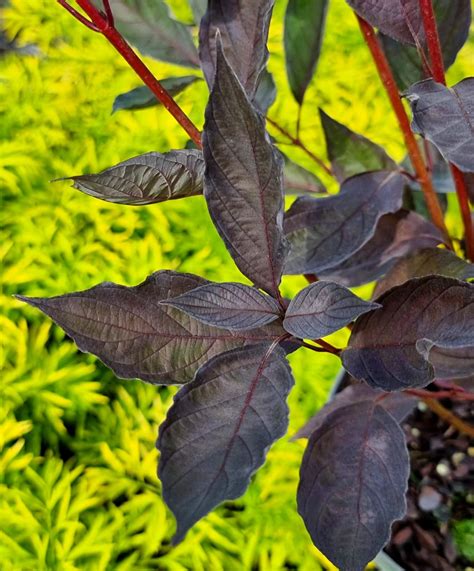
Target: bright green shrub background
<point x="78" y="485"/>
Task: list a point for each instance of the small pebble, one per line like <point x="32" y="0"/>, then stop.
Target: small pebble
<point x="429" y="499"/>
<point x="415" y="432"/>
<point x="422" y="406"/>
<point x="443" y="470"/>
<point x="457" y="458"/>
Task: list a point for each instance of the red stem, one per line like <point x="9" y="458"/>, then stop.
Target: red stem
<point x="297" y="141"/>
<point x="437" y="65"/>
<point x="414" y="152"/>
<point x="448" y="394"/>
<point x="104" y="24"/>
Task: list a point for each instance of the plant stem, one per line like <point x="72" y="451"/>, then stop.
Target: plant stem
<point x="297" y="142"/>
<point x="449" y="417"/>
<point x="414" y="152"/>
<point x="437" y="65"/>
<point x="103" y="23"/>
<point x="458" y="394"/>
<point x="328" y="347"/>
<point x="312" y="347"/>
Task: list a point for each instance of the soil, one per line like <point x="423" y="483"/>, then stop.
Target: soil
<point x="441" y="492"/>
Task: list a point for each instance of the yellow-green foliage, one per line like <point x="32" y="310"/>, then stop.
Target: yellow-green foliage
<point x="78" y="485"/>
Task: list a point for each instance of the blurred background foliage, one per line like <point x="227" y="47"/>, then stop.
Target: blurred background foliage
<point x="78" y="485"/>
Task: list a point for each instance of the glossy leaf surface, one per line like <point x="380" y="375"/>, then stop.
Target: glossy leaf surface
<point x="147" y="179"/>
<point x="243" y="183"/>
<point x="147" y="24"/>
<point x="231" y="306"/>
<point x="351" y="153"/>
<point x="399" y="405"/>
<point x="453" y="21"/>
<point x="141" y="97"/>
<point x="243" y="27"/>
<point x="128" y="329"/>
<point x="396" y="236"/>
<point x="322" y="308"/>
<point x="304" y="30"/>
<point x="323" y="232"/>
<point x="391" y="348"/>
<point x="218" y="431"/>
<point x="353" y="481"/>
<point x="424" y="263"/>
<point x="444" y="116"/>
<point x="399" y="19"/>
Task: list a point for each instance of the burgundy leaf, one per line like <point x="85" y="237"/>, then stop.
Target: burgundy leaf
<point x="147" y="179"/>
<point x="243" y="27"/>
<point x="398" y="346"/>
<point x="243" y="182"/>
<point x="395" y="236"/>
<point x="219" y="429"/>
<point x="453" y="21"/>
<point x="322" y="308"/>
<point x="399" y="19"/>
<point x="351" y="153"/>
<point x="323" y="232"/>
<point x="444" y="116"/>
<point x="399" y="405"/>
<point x="353" y="481"/>
<point x="232" y="306"/>
<point x="136" y="336"/>
<point x="424" y="263"/>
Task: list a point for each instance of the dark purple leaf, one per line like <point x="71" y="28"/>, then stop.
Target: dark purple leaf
<point x="399" y="19"/>
<point x="142" y="97"/>
<point x="444" y="115"/>
<point x="323" y="232"/>
<point x="231" y="306"/>
<point x="136" y="336"/>
<point x="147" y="179"/>
<point x="147" y="24"/>
<point x="424" y="263"/>
<point x="399" y="405"/>
<point x="322" y="308"/>
<point x="351" y="153"/>
<point x="243" y="182"/>
<point x="218" y="431"/>
<point x="396" y="235"/>
<point x="243" y="27"/>
<point x="396" y="347"/>
<point x="353" y="481"/>
<point x="453" y="19"/>
<point x="304" y="30"/>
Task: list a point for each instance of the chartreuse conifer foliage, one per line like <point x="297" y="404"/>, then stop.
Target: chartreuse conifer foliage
<point x="227" y="343"/>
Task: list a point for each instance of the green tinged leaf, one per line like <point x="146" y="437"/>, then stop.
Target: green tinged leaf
<point x="351" y="153"/>
<point x="147" y="24"/>
<point x="147" y="179"/>
<point x="425" y="329"/>
<point x="304" y="30"/>
<point x="243" y="181"/>
<point x="266" y="92"/>
<point x="198" y="8"/>
<point x="136" y="336"/>
<point x="453" y="20"/>
<point x="142" y="97"/>
<point x="298" y="180"/>
<point x="219" y="429"/>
